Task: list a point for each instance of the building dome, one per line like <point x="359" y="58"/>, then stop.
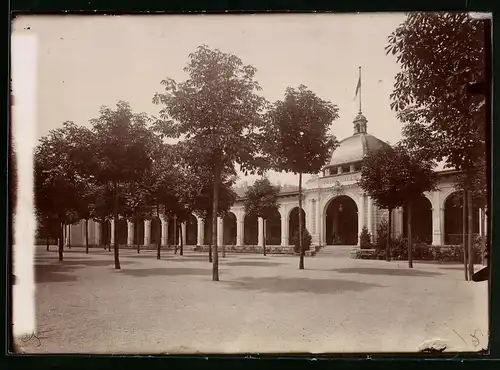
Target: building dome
<point x="354" y="148"/>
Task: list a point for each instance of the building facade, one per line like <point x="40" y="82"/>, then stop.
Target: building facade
<point x="335" y="210"/>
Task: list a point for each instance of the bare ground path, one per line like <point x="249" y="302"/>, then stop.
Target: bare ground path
<point x="262" y="304"/>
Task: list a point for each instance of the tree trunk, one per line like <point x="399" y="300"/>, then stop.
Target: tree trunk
<point x="176" y="239"/>
<point x="182" y="239"/>
<point x="388" y="245"/>
<point x="115" y="246"/>
<point x="217" y="174"/>
<point x="87" y="236"/>
<point x="61" y="241"/>
<point x="210" y="252"/>
<point x="264" y="236"/>
<point x="464" y="233"/>
<point x="301" y="246"/>
<point x="137" y="234"/>
<point x="158" y="235"/>
<point x="47" y="234"/>
<point x="69" y="236"/>
<point x="470" y="233"/>
<point x="410" y="241"/>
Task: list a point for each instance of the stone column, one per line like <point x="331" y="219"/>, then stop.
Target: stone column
<point x="260" y="238"/>
<point x="97" y="233"/>
<point x="369" y="221"/>
<point x="147" y="232"/>
<point x="361" y="221"/>
<point x="130" y="233"/>
<point x="284" y="229"/>
<point x="307" y="211"/>
<point x="319" y="223"/>
<point x="400" y="217"/>
<point x="112" y="236"/>
<point x="164" y="231"/>
<point x="436" y="226"/>
<point x="220" y="231"/>
<point x="240" y="228"/>
<point x="183" y="230"/>
<point x="201" y="232"/>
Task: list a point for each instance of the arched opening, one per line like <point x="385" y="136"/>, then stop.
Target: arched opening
<point x="251" y="236"/>
<point x="229" y="228"/>
<point x="453" y="217"/>
<point x="173" y="235"/>
<point x="121" y="231"/>
<point x="106" y="232"/>
<point x="421" y="220"/>
<point x="207" y="233"/>
<point x="341" y="221"/>
<point x="273" y="229"/>
<point x="293" y="223"/>
<point x="139" y="231"/>
<point x="191" y="230"/>
<point x="156" y="230"/>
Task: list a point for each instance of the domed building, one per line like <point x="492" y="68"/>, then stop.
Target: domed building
<point x="335" y="210"/>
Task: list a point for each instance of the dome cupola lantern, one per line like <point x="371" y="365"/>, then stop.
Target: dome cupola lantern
<point x="360" y="124"/>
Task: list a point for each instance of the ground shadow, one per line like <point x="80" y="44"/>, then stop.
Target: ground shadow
<point x="458" y="268"/>
<point x="59" y="271"/>
<point x="54" y="273"/>
<point x="386" y="271"/>
<point x="297" y="285"/>
<point x="252" y="263"/>
<point x="165" y="271"/>
<point x="79" y="250"/>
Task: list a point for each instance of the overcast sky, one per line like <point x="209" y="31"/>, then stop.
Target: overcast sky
<point x="85" y="62"/>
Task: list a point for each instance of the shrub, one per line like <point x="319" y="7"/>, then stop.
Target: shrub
<point x="365" y="239"/>
<point x="381" y="234"/>
<point x="306" y="240"/>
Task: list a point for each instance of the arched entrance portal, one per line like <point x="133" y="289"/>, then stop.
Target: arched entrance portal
<point x="251" y="233"/>
<point x="191" y="231"/>
<point x="453" y="219"/>
<point x="155" y="231"/>
<point x="139" y="231"/>
<point x="341" y="221"/>
<point x="421" y="220"/>
<point x="229" y="229"/>
<point x="293" y="223"/>
<point x="106" y="232"/>
<point x="273" y="229"/>
<point x="121" y="231"/>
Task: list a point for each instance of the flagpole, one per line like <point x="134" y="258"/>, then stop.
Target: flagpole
<point x="360" y="90"/>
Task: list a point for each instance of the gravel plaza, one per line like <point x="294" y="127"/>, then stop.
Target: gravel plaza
<point x="262" y="304"/>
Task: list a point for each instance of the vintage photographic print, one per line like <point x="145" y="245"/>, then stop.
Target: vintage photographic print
<point x="250" y="183"/>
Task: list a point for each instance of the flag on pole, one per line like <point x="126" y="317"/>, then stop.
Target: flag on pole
<point x="358" y="87"/>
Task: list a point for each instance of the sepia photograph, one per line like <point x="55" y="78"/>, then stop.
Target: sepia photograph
<point x="250" y="183"/>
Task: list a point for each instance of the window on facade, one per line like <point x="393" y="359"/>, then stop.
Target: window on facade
<point x="357" y="167"/>
<point x="346" y="169"/>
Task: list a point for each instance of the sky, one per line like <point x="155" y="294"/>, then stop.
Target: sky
<point x="85" y="62"/>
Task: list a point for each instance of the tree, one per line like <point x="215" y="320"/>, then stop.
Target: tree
<point x="58" y="182"/>
<point x="395" y="178"/>
<point x="441" y="54"/>
<point x="136" y="204"/>
<point x="217" y="108"/>
<point x="121" y="153"/>
<point x="379" y="179"/>
<point x="415" y="177"/>
<point x="261" y="200"/>
<point x="196" y="189"/>
<point x="297" y="138"/>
